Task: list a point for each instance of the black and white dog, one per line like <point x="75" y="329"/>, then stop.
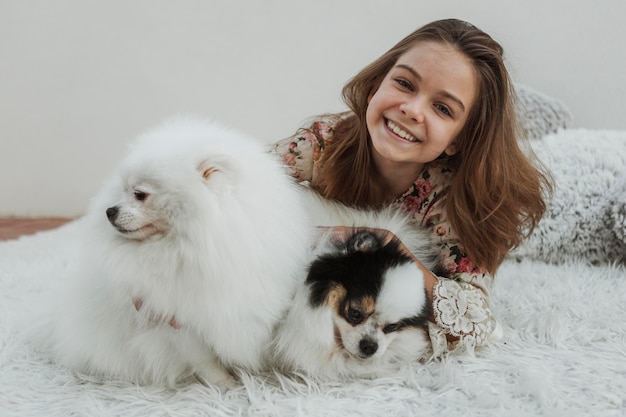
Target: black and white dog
<point x="362" y="310"/>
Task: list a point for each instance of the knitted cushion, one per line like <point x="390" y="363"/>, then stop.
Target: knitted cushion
<point x="586" y="218"/>
<point x="539" y="114"/>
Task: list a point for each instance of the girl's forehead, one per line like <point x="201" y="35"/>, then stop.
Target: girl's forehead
<point x="442" y="53"/>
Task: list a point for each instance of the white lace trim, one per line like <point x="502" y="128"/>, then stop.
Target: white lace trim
<point x="461" y="310"/>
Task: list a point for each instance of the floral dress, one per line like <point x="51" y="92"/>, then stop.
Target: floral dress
<point x="461" y="296"/>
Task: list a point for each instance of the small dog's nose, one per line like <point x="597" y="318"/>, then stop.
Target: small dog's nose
<point x="112" y="212"/>
<point x="368" y="347"/>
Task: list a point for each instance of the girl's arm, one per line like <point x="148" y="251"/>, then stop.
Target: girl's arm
<point x="460" y="295"/>
<point x="300" y="151"/>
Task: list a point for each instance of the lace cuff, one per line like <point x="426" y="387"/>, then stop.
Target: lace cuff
<point x="461" y="310"/>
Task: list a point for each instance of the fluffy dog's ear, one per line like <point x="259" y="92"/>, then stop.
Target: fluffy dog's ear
<point x="207" y="169"/>
<point x="219" y="173"/>
<point x="214" y="160"/>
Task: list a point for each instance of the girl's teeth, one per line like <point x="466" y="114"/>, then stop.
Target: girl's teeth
<point x="405" y="135"/>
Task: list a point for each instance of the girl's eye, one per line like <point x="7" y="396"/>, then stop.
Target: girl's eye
<point x="390" y="328"/>
<point x="443" y="109"/>
<point x="140" y="195"/>
<point x="404" y="83"/>
<point x="354" y="316"/>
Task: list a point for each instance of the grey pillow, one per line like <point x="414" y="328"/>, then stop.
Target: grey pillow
<point x="586" y="217"/>
<point x="538" y="114"/>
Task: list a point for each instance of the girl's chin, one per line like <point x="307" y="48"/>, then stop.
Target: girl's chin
<point x="392" y="153"/>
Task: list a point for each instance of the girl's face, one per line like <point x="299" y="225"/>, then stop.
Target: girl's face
<point x="421" y="106"/>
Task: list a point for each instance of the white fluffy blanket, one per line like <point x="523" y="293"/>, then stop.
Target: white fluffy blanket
<point x="563" y="354"/>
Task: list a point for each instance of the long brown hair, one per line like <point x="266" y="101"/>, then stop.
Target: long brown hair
<point x="497" y="195"/>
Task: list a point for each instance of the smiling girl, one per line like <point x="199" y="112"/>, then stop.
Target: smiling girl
<point x="432" y="129"/>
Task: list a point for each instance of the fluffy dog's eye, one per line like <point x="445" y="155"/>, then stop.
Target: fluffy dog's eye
<point x="390" y="328"/>
<point x="354" y="316"/>
<point x="140" y="195"/>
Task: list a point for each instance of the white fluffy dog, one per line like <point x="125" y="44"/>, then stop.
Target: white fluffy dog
<point x="190" y="257"/>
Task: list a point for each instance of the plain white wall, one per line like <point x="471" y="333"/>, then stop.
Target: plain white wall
<point x="80" y="78"/>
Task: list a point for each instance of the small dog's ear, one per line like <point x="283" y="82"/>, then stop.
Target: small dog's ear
<point x="363" y="242"/>
<point x="328" y="293"/>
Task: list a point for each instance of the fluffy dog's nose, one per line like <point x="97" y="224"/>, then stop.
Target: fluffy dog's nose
<point x="368" y="347"/>
<point x="112" y="213"/>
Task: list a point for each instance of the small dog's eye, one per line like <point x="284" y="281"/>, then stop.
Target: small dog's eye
<point x="354" y="316"/>
<point x="140" y="195"/>
<point x="390" y="328"/>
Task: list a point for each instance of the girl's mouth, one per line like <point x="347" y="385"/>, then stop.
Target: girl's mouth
<point x="400" y="132"/>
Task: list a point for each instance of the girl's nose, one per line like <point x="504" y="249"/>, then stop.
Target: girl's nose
<point x="414" y="109"/>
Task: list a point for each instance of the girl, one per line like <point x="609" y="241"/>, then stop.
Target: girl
<point x="431" y="129"/>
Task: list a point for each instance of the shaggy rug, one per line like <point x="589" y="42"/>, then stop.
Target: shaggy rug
<point x="563" y="354"/>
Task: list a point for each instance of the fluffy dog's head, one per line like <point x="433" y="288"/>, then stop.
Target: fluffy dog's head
<point x="375" y="292"/>
<point x="152" y="203"/>
<point x="139" y="215"/>
<point x="171" y="177"/>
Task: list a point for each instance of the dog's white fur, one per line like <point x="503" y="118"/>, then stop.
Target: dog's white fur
<point x="206" y="243"/>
